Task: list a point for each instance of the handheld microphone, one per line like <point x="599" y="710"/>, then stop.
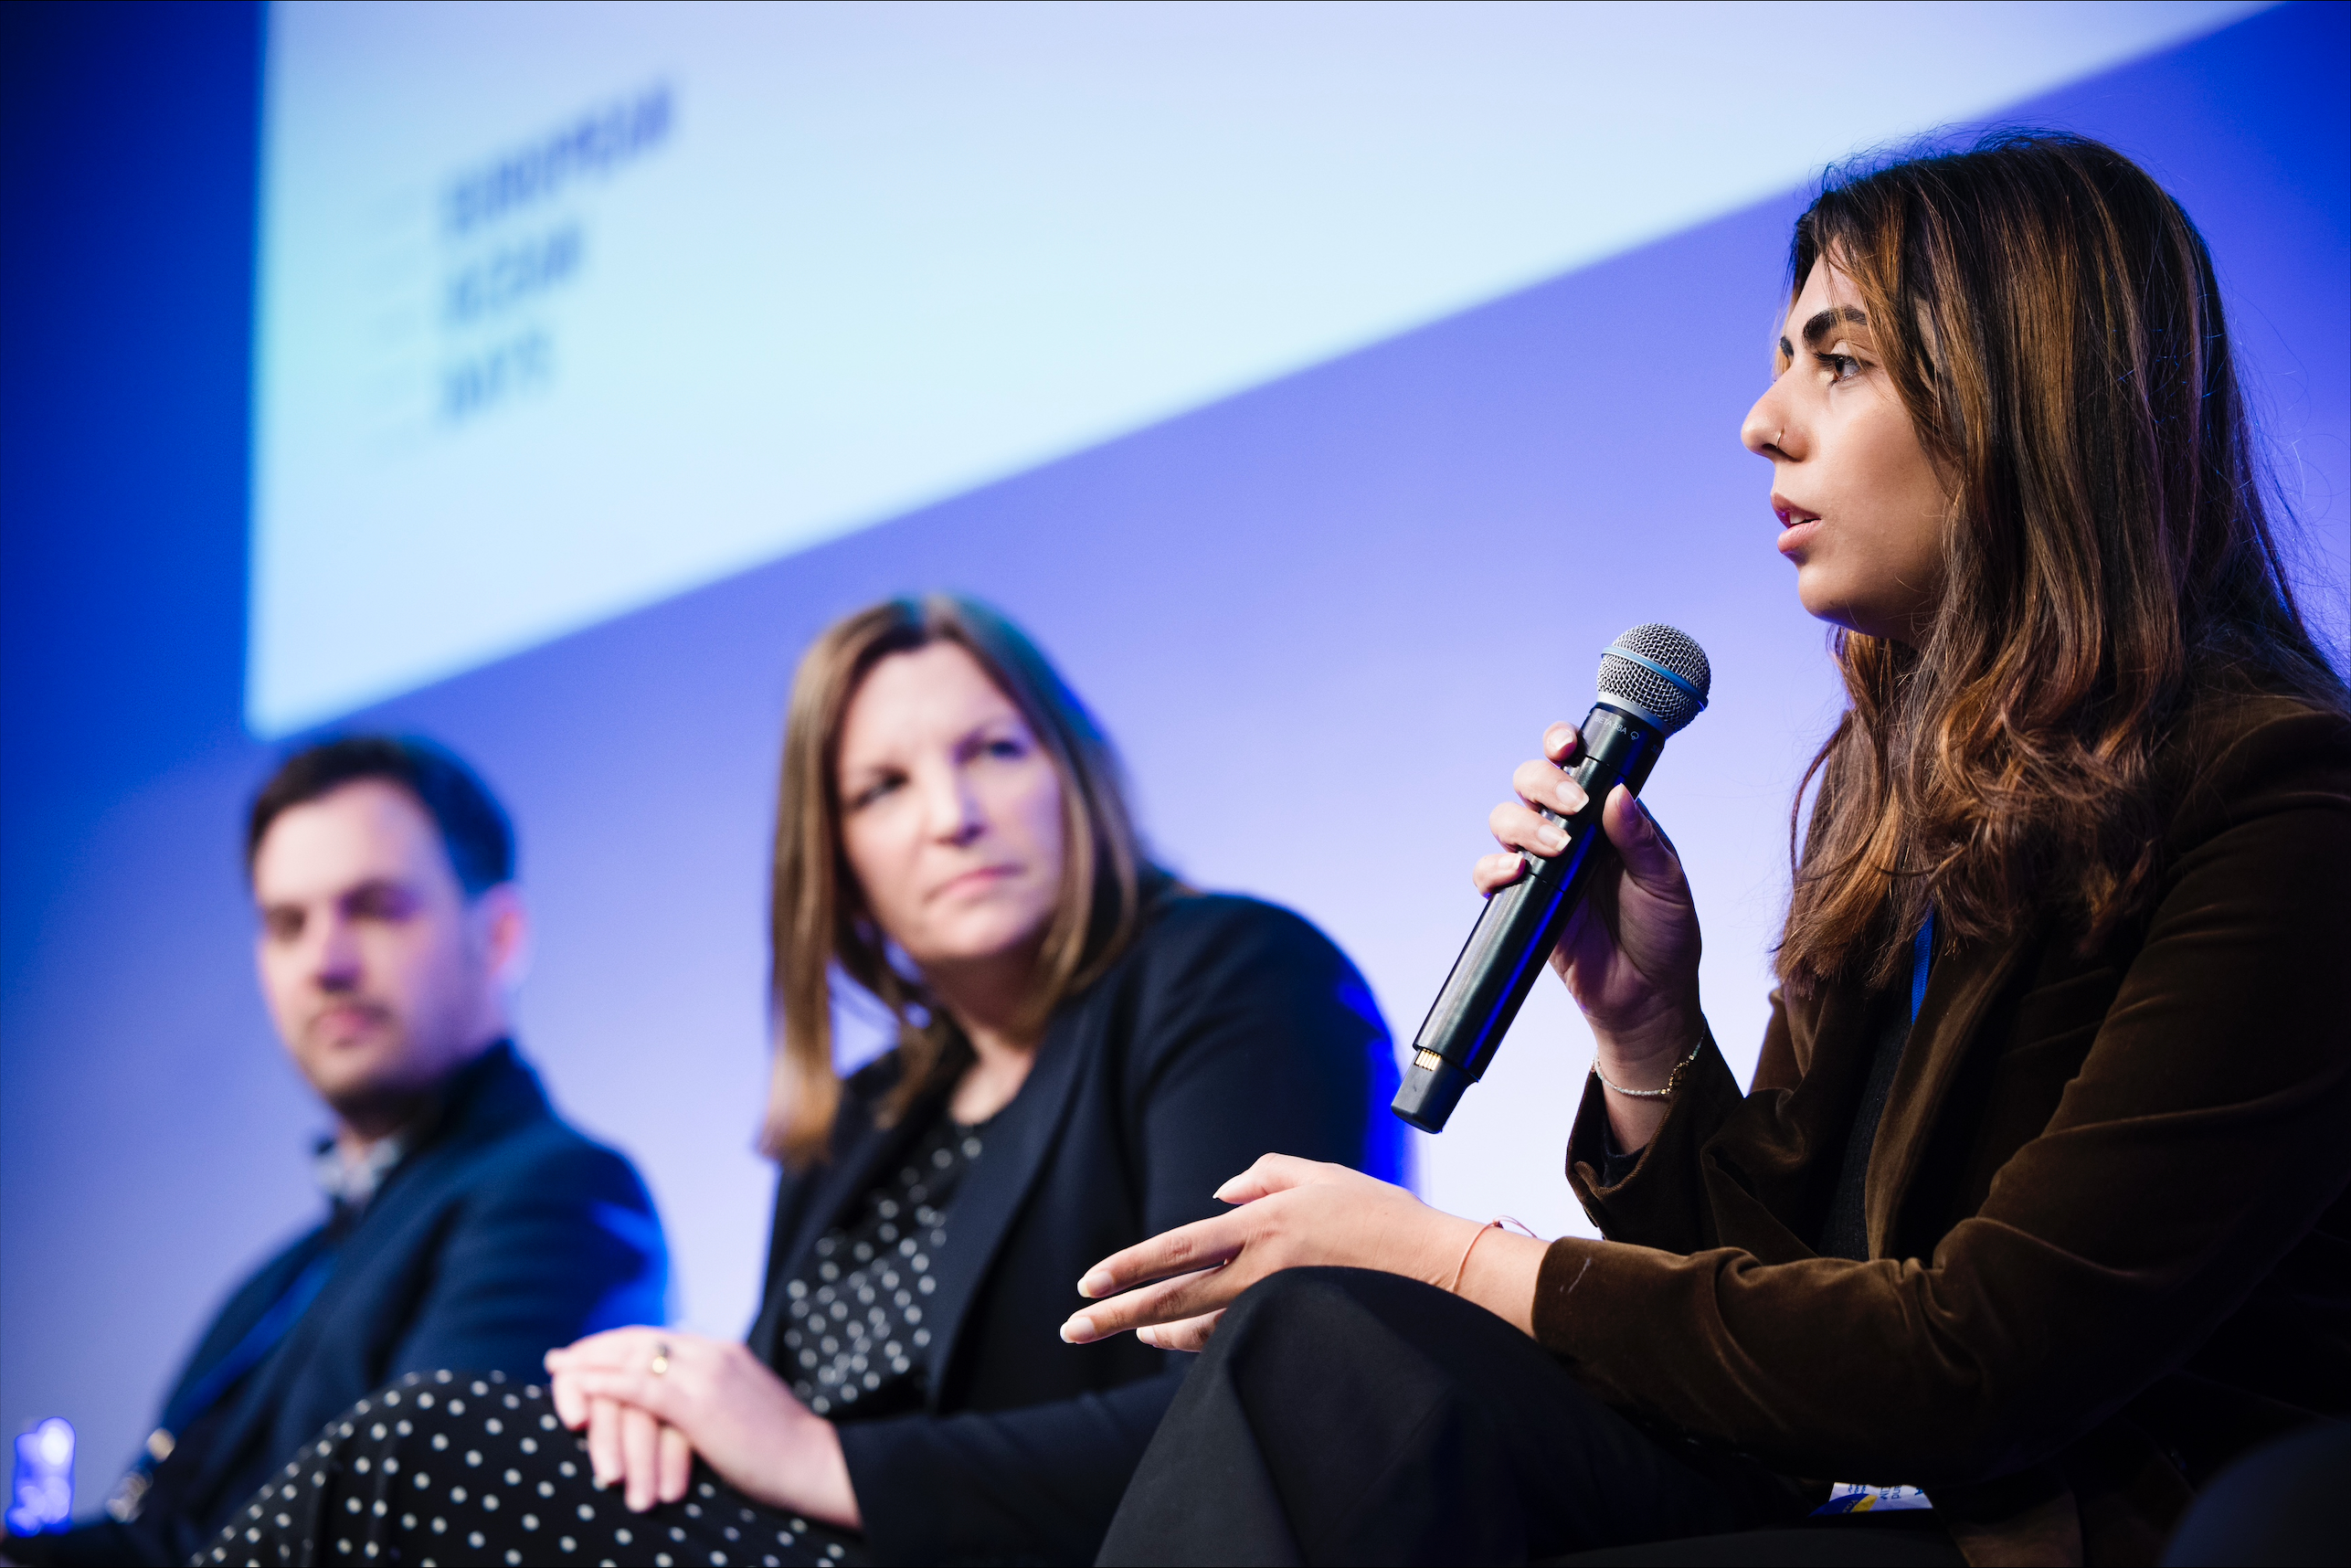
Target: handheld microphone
<point x="1653" y="681"/>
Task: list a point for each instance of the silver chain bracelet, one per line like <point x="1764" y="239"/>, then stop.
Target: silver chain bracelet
<point x="1673" y="1079"/>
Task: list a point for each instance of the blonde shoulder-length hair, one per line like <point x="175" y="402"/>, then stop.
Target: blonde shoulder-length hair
<point x="817" y="920"/>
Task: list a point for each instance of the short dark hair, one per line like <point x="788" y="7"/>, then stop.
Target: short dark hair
<point x="474" y="828"/>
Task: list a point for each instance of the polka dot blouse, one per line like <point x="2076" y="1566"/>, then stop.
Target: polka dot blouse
<point x="857" y="1337"/>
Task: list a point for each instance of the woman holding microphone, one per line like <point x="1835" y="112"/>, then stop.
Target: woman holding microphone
<point x="2036" y="1200"/>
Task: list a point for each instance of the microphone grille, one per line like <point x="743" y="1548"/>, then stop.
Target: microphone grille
<point x="1659" y="671"/>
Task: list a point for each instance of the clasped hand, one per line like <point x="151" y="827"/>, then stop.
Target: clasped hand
<point x="651" y="1399"/>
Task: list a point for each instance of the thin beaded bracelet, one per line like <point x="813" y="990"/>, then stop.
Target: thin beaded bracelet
<point x="1673" y="1079"/>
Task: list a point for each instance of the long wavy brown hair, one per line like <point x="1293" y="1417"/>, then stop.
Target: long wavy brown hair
<point x="2052" y="322"/>
<point x="817" y="919"/>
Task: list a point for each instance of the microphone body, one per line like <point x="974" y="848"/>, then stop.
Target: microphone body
<point x="1622" y="737"/>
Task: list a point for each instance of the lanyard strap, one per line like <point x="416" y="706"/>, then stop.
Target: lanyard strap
<point x="1922" y="959"/>
<point x="259" y="1342"/>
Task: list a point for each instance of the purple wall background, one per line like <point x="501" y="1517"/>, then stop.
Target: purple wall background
<point x="1324" y="619"/>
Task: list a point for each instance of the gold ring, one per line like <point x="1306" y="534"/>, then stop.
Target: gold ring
<point x="661" y="1362"/>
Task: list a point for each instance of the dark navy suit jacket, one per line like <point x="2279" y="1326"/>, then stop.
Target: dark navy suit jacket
<point x="1232" y="1029"/>
<point x="502" y="1233"/>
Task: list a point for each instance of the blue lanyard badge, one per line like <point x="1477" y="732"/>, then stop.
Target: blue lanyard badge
<point x="1853" y="1497"/>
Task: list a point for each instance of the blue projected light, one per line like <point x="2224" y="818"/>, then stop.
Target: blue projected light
<point x="566" y="309"/>
<point x="41" y="1494"/>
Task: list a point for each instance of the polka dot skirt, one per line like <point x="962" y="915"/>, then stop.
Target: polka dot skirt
<point x="448" y="1468"/>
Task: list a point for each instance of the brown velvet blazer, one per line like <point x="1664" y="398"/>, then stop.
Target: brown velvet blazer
<point x="2110" y="1246"/>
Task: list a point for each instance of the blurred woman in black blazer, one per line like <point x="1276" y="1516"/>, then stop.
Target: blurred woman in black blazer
<point x="1086" y="1049"/>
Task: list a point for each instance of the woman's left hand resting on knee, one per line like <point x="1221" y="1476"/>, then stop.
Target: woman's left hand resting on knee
<point x="1298" y="1213"/>
<point x="713" y="1398"/>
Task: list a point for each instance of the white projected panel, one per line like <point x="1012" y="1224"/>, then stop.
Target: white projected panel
<point x="566" y="308"/>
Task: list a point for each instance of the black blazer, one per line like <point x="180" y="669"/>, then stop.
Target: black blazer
<point x="1232" y="1029"/>
<point x="503" y="1233"/>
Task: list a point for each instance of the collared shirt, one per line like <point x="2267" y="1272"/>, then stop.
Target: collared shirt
<point x="349" y="1183"/>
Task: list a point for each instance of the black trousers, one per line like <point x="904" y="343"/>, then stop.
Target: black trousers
<point x="1341" y="1415"/>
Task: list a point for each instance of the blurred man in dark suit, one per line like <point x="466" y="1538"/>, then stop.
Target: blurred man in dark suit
<point x="467" y="1228"/>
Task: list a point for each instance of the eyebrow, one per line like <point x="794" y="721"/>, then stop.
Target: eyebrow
<point x="1816" y="330"/>
<point x="360" y="889"/>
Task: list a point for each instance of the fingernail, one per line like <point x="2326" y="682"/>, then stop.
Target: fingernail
<point x="1571" y="796"/>
<point x="1097" y="1283"/>
<point x="1551" y="838"/>
<point x="1079" y="1330"/>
